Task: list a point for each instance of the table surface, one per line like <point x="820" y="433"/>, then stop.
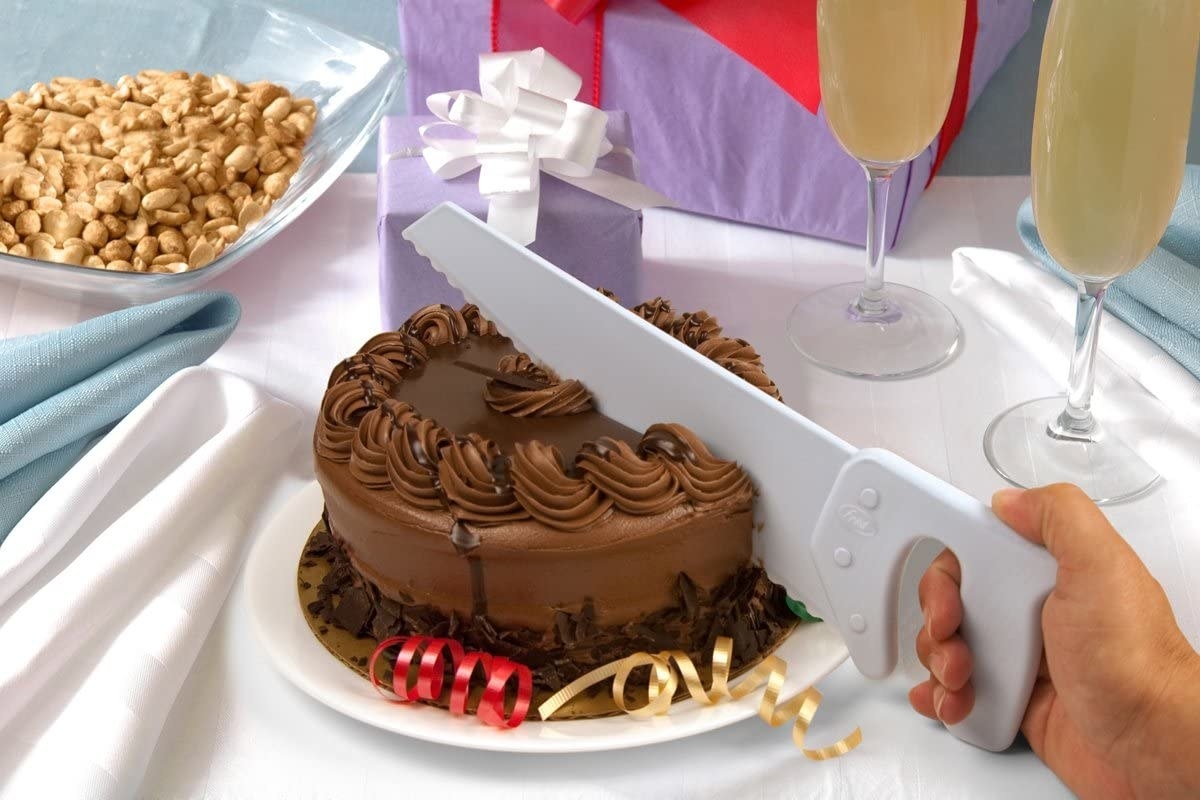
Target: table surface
<point x="239" y="730"/>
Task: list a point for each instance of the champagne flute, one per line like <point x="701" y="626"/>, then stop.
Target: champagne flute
<point x="888" y="69"/>
<point x="1109" y="141"/>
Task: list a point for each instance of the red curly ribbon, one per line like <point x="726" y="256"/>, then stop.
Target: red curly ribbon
<point x="430" y="655"/>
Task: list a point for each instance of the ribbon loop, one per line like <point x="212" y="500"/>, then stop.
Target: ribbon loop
<point x="664" y="680"/>
<point x="524" y="120"/>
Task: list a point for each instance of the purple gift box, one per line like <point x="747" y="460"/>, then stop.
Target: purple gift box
<point x="596" y="240"/>
<point x="714" y="133"/>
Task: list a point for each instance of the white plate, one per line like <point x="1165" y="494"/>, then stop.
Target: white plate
<point x="811" y="652"/>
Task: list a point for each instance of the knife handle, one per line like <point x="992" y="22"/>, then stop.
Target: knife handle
<point x="880" y="507"/>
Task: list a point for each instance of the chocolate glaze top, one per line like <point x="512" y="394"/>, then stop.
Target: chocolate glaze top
<point x="425" y="412"/>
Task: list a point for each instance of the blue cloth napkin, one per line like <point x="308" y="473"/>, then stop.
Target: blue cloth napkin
<point x="1161" y="298"/>
<point x="59" y="390"/>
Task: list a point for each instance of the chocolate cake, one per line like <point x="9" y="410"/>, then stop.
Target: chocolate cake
<point x="472" y="493"/>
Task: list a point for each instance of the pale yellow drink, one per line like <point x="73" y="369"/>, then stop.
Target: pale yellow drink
<point x="887" y="73"/>
<point x="1111" y="128"/>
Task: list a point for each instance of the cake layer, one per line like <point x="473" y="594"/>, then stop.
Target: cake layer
<point x="520" y="574"/>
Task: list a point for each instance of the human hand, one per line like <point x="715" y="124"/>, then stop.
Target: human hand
<point x="1115" y="711"/>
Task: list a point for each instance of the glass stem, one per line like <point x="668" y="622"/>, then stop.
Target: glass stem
<point x="871" y="301"/>
<point x="1076" y="421"/>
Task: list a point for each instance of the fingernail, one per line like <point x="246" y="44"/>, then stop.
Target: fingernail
<point x="939" y="697"/>
<point x="937" y="665"/>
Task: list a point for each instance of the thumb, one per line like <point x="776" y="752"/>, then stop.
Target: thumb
<point x="1061" y="518"/>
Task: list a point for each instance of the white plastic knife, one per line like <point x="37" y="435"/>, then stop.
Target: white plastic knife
<point x="837" y="523"/>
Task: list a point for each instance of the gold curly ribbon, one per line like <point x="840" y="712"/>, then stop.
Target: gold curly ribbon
<point x="663" y="681"/>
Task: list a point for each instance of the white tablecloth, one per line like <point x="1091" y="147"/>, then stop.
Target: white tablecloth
<point x="240" y="731"/>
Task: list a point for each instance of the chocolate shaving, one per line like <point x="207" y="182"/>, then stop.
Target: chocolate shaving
<point x="562" y="626"/>
<point x="353" y="610"/>
<point x="688" y="597"/>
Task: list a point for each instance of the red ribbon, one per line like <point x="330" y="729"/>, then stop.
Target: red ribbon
<point x="578" y="43"/>
<point x="957" y="112"/>
<point x="778" y="37"/>
<point x="429" y="654"/>
<point x="572" y="10"/>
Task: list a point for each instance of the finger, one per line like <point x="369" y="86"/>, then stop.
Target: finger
<point x="925" y="645"/>
<point x="931" y="699"/>
<point x="938" y="592"/>
<point x="920" y="697"/>
<point x="951" y="664"/>
<point x="1062" y="519"/>
<point x="1037" y="715"/>
<point x="953" y="707"/>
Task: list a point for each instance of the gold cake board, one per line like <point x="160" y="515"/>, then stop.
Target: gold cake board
<point x="355" y="652"/>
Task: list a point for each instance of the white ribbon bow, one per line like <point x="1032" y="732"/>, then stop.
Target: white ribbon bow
<point x="523" y="122"/>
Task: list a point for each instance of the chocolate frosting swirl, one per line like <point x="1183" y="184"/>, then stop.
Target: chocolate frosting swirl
<point x="478" y="324"/>
<point x="657" y="312"/>
<point x="559" y="398"/>
<point x="723" y="347"/>
<point x="397" y="347"/>
<point x="636" y="485"/>
<point x="343" y="408"/>
<point x="366" y="365"/>
<point x="551" y="495"/>
<point x="475" y="481"/>
<point x="703" y="477"/>
<point x="412" y="462"/>
<point x="368" y="448"/>
<point x="695" y="327"/>
<point x="437" y="325"/>
<point x="753" y="373"/>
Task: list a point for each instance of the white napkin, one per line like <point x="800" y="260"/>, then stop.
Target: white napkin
<point x="110" y="584"/>
<point x="1037" y="312"/>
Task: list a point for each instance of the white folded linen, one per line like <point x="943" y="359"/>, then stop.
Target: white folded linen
<point x="110" y="584"/>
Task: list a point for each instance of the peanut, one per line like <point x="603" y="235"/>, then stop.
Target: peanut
<point x="62" y="225"/>
<point x="116" y="250"/>
<point x="241" y="158"/>
<point x="27" y="222"/>
<point x="157" y="173"/>
<point x="147" y="248"/>
<point x="95" y="234"/>
<point x="159" y="199"/>
<point x="251" y="213"/>
<point x="171" y="241"/>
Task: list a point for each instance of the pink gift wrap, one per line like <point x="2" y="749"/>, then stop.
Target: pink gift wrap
<point x="714" y="133"/>
<point x="594" y="239"/>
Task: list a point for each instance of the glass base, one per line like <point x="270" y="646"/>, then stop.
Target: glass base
<point x="1021" y="447"/>
<point x="913" y="333"/>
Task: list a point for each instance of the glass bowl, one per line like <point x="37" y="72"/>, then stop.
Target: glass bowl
<point x="350" y="79"/>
